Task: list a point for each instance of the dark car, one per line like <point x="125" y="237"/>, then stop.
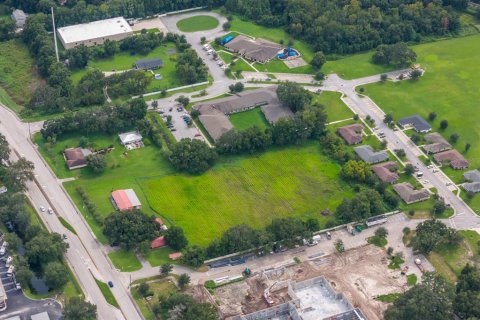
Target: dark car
<point x="110" y="284"/>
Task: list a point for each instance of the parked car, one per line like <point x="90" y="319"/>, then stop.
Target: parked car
<point x="50" y="210"/>
<point x="110" y="284"/>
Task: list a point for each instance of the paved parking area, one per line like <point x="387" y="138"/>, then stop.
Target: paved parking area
<point x="19" y="305"/>
<point x="182" y="129"/>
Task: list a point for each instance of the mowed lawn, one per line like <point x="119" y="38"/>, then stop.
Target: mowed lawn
<point x="197" y="23"/>
<point x="248" y="119"/>
<point x="334" y="106"/>
<point x="450" y="87"/>
<point x="355" y="66"/>
<point x="17" y="73"/>
<point x="293" y="181"/>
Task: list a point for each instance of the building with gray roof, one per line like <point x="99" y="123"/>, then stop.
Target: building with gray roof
<point x="417" y="122"/>
<point x="367" y="154"/>
<point x="258" y="50"/>
<point x="436" y="143"/>
<point x="19" y="17"/>
<point x="149" y="64"/>
<point x="472" y="175"/>
<point x="408" y="194"/>
<point x="472" y="187"/>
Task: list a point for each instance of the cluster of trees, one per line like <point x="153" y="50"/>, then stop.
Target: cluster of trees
<point x="142" y="43"/>
<point x="7" y="29"/>
<point x="190" y="67"/>
<point x="433" y="234"/>
<point x="89" y="205"/>
<point x="76" y="308"/>
<point x="363" y="205"/>
<point x="131" y="82"/>
<point x="193" y="156"/>
<point x="183" y="307"/>
<point x="109" y="120"/>
<point x="398" y="55"/>
<point x="345" y="26"/>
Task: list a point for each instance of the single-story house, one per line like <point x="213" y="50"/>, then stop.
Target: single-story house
<point x="385" y="173"/>
<point x="417" y="122"/>
<point x="352" y="134"/>
<point x="149" y="64"/>
<point x="258" y="50"/>
<point x="367" y="154"/>
<point x="472" y="175"/>
<point x="408" y="194"/>
<point x="453" y="158"/>
<point x="76" y="157"/>
<point x="19" y="17"/>
<point x="125" y="200"/>
<point x="472" y="186"/>
<point x="130" y="137"/>
<point x="436" y="143"/>
<point x="158" y="242"/>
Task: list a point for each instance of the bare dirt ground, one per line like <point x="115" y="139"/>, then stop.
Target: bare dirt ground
<point x="361" y="274"/>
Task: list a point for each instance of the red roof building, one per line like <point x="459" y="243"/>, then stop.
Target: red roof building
<point x="175" y="255"/>
<point x="158" y="242"/>
<point x="125" y="200"/>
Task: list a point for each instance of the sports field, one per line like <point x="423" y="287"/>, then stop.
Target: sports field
<point x="450" y="87"/>
<point x="294" y="181"/>
<point x="197" y="23"/>
<point x="248" y="119"/>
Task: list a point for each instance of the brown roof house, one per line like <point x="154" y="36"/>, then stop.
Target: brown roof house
<point x="453" y="158"/>
<point x="352" y="134"/>
<point x="385" y="171"/>
<point x="258" y="50"/>
<point x="76" y="157"/>
<point x="408" y="194"/>
<point x="436" y="143"/>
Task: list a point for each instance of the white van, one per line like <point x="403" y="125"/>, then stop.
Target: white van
<point x="10" y="271"/>
<point x="2" y="251"/>
<point x="9" y="261"/>
<point x="419" y="174"/>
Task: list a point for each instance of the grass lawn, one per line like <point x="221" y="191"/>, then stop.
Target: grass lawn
<point x="449" y="87"/>
<point x="335" y="108"/>
<point x="125" y="261"/>
<point x="355" y="66"/>
<point x="474" y="203"/>
<point x="278" y="66"/>
<point x="412" y="279"/>
<point x="388" y="298"/>
<point x="252" y="190"/>
<point x="17" y="73"/>
<point x="159" y="289"/>
<point x="248" y="119"/>
<point x="107" y="293"/>
<point x="157" y="257"/>
<point x="197" y="23"/>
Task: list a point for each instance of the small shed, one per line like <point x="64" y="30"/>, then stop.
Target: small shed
<point x="158" y="242"/>
<point x="19" y="17"/>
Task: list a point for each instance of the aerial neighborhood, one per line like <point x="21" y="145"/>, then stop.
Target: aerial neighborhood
<point x="239" y="160"/>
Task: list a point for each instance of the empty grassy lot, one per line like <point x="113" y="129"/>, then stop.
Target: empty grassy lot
<point x="449" y="87"/>
<point x="294" y="181"/>
<point x="125" y="261"/>
<point x="334" y="106"/>
<point x="248" y="119"/>
<point x="197" y="23"/>
<point x="17" y="73"/>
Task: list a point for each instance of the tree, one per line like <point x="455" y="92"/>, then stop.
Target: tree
<point x="432" y="234"/>
<point x="400" y="153"/>
<point x="144" y="289"/>
<point x="294" y="96"/>
<point x="443" y="124"/>
<point x="13" y="241"/>
<point x="190" y="68"/>
<point x="381" y="232"/>
<point x="398" y="55"/>
<point x="78" y="309"/>
<point x="203" y="40"/>
<point x="59" y="77"/>
<point x="366" y="203"/>
<point x="467" y="147"/>
<point x="383" y="77"/>
<point x="388" y="118"/>
<point x="454" y="138"/>
<point x="318" y="60"/>
<point x="194" y="256"/>
<point x="312" y="224"/>
<point x="288" y="229"/>
<point x="359" y="171"/>
<point x="175" y="238"/>
<point x="45" y="248"/>
<point x="416" y="138"/>
<point x="183" y="280"/>
<point x="467" y="302"/>
<point x="166" y="268"/>
<point x="432" y="116"/>
<point x="4" y="149"/>
<point x="129" y="230"/>
<point x="184" y="101"/>
<point x="23" y="275"/>
<point x="56" y="275"/>
<point x="78" y="57"/>
<point x="96" y="162"/>
<point x="319" y="75"/>
<point x="109" y="48"/>
<point x="409" y="169"/>
<point x="470" y="194"/>
<point x="415" y="74"/>
<point x="193" y="156"/>
<point x="226" y="26"/>
<point x="439" y="207"/>
<point x="433" y="296"/>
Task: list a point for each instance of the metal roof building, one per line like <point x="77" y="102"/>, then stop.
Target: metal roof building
<point x="367" y="154"/>
<point x="125" y="200"/>
<point x="149" y="64"/>
<point x="19" y="17"/>
<point x="472" y="175"/>
<point x="417" y="122"/>
<point x="95" y="33"/>
<point x="130" y="137"/>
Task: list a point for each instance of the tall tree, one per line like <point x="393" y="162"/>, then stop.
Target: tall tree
<point x="294" y="96"/>
<point x="78" y="309"/>
<point x="176" y="238"/>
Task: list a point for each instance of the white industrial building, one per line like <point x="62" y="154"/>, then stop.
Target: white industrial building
<point x="94" y="33"/>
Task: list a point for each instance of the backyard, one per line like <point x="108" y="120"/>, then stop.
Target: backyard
<point x="197" y="23"/>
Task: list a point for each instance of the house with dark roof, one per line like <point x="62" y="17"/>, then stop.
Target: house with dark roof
<point x="452" y="158"/>
<point x="385" y="171"/>
<point x="76" y="158"/>
<point x="367" y="154"/>
<point x="258" y="50"/>
<point x="19" y="17"/>
<point x="352" y="134"/>
<point x="436" y="143"/>
<point x="408" y="194"/>
<point x="472" y="175"/>
<point x="149" y="64"/>
<point x="417" y="122"/>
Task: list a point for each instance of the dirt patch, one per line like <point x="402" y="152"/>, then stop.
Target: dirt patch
<point x="361" y="274"/>
<point x="295" y="63"/>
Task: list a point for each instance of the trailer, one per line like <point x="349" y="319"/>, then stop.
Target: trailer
<point x="373" y="221"/>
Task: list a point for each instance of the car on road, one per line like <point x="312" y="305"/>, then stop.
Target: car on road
<point x="448" y="184"/>
<point x="50" y="210"/>
<point x="110" y="284"/>
<point x="42" y="208"/>
<point x="329" y="235"/>
<point x="64" y="236"/>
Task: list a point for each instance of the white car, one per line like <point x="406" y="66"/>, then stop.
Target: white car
<point x="50" y="210"/>
<point x="42" y="208"/>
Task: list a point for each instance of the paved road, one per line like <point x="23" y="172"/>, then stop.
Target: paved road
<point x="85" y="255"/>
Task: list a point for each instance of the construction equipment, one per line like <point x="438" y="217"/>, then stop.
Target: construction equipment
<point x="247" y="272"/>
<point x="350" y="229"/>
<point x="266" y="294"/>
<point x="418" y="263"/>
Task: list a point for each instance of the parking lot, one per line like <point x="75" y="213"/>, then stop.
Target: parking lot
<point x="18" y="304"/>
<point x="179" y="126"/>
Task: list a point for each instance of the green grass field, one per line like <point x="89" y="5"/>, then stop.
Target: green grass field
<point x="17" y="73"/>
<point x="157" y="257"/>
<point x="449" y="87"/>
<point x="197" y="23"/>
<point x="335" y="108"/>
<point x="294" y="181"/>
<point x="125" y="261"/>
<point x="355" y="66"/>
<point x="248" y="119"/>
<point x="159" y="289"/>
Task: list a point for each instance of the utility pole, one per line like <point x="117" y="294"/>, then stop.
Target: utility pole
<point x="55" y="35"/>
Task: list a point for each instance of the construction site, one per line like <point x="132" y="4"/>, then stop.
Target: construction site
<point x="338" y="286"/>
